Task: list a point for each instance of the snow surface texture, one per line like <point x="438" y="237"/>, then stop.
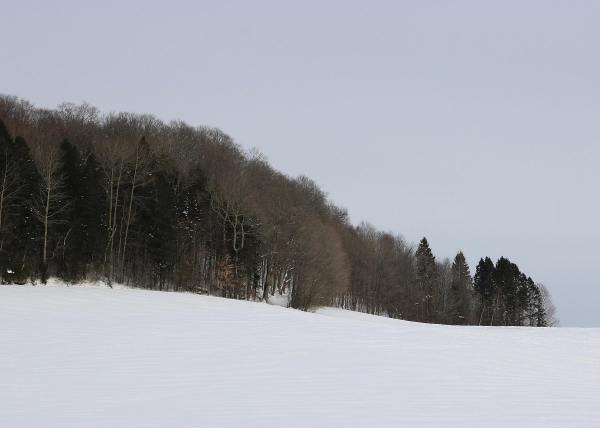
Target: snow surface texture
<point x="96" y="357"/>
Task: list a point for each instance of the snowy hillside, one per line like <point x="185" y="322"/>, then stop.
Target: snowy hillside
<point x="84" y="357"/>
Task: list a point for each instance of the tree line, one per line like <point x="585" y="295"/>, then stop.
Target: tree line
<point x="127" y="198"/>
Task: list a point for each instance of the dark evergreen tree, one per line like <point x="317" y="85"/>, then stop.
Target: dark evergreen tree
<point x="460" y="291"/>
<point x="535" y="310"/>
<point x="93" y="216"/>
<point x="506" y="277"/>
<point x="70" y="229"/>
<point x="485" y="289"/>
<point x="158" y="222"/>
<point x="426" y="276"/>
<point x="523" y="298"/>
<point x="191" y="232"/>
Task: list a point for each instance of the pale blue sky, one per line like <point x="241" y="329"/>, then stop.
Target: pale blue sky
<point x="475" y="124"/>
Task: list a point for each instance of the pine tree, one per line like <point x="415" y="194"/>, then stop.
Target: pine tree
<point x="506" y="276"/>
<point x="190" y="232"/>
<point x="536" y="312"/>
<point x="162" y="224"/>
<point x="93" y="215"/>
<point x="460" y="291"/>
<point x="426" y="278"/>
<point x="523" y="298"/>
<point x="71" y="229"/>
<point x="485" y="289"/>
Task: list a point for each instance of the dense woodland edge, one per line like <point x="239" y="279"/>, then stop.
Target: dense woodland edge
<point x="127" y="198"/>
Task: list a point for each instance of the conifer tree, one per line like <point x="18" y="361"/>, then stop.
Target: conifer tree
<point x="506" y="277"/>
<point x="523" y="298"/>
<point x="161" y="225"/>
<point x="426" y="275"/>
<point x="93" y="215"/>
<point x="460" y="291"/>
<point x="485" y="289"/>
<point x="537" y="308"/>
<point x="71" y="229"/>
<point x="191" y="231"/>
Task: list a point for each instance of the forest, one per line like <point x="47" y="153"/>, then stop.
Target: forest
<point x="126" y="198"/>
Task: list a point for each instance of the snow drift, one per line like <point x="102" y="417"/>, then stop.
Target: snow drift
<point x="93" y="357"/>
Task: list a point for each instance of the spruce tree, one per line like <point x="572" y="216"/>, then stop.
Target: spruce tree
<point x="426" y="278"/>
<point x="71" y="259"/>
<point x="460" y="290"/>
<point x="485" y="289"/>
<point x="536" y="311"/>
<point x="523" y="298"/>
<point x="193" y="211"/>
<point x="93" y="215"/>
<point x="157" y="223"/>
<point x="506" y="277"/>
<point x="161" y="246"/>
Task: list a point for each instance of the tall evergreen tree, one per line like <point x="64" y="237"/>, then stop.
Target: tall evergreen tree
<point x="426" y="278"/>
<point x="191" y="231"/>
<point x="523" y="297"/>
<point x="536" y="311"/>
<point x="161" y="223"/>
<point x="93" y="215"/>
<point x="506" y="276"/>
<point x="460" y="291"/>
<point x="485" y="289"/>
<point x="70" y="262"/>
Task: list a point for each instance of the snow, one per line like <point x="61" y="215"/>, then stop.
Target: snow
<point x="101" y="357"/>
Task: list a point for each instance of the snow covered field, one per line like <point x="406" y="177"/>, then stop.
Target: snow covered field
<point x="93" y="357"/>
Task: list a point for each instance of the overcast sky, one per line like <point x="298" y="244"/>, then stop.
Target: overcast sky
<point x="475" y="124"/>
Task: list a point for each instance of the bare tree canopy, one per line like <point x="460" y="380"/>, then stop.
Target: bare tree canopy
<point x="127" y="198"/>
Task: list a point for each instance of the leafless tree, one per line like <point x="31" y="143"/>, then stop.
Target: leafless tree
<point x="114" y="153"/>
<point x="50" y="202"/>
<point x="322" y="273"/>
<point x="140" y="175"/>
<point x="79" y="123"/>
<point x="442" y="304"/>
<point x="18" y="115"/>
<point x="548" y="306"/>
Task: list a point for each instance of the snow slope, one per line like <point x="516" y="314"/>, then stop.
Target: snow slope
<point x="93" y="357"/>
